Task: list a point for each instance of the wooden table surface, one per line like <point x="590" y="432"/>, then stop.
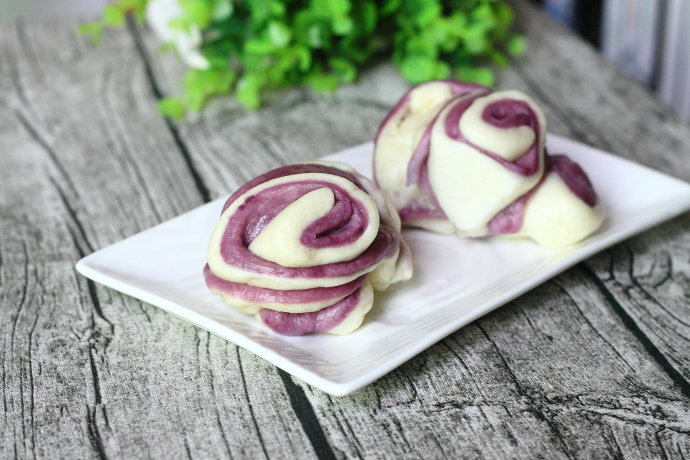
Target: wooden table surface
<point x="592" y="364"/>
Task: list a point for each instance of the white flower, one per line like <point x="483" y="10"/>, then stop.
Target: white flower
<point x="159" y="13"/>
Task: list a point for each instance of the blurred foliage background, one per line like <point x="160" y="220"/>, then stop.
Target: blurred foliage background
<point x="247" y="47"/>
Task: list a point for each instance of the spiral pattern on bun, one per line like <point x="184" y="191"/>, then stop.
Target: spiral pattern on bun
<point x="474" y="162"/>
<point x="405" y="133"/>
<point x="302" y="247"/>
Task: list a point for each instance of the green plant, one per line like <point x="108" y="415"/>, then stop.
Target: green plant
<point x="255" y="45"/>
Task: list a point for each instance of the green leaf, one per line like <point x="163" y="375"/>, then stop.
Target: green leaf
<point x="422" y="13"/>
<point x="131" y="5"/>
<point x="181" y="23"/>
<point x="113" y="16"/>
<point x="218" y="62"/>
<point x="138" y="7"/>
<point x="475" y="41"/>
<point x="504" y="15"/>
<point x="498" y="58"/>
<point x="482" y="17"/>
<point x="366" y="17"/>
<point x="276" y="75"/>
<point x="417" y="69"/>
<point x="327" y="9"/>
<point x="423" y="44"/>
<point x="300" y="26"/>
<point x="342" y="25"/>
<point x="430" y="14"/>
<point x="171" y="108"/>
<point x="480" y="75"/>
<point x="166" y="47"/>
<point x="319" y="36"/>
<point x="279" y="34"/>
<point x="198" y="12"/>
<point x="260" y="11"/>
<point x="221" y="9"/>
<point x="516" y="45"/>
<point x="390" y="7"/>
<point x="259" y="46"/>
<point x="442" y="70"/>
<point x="248" y="88"/>
<point x="93" y="30"/>
<point x="457" y="22"/>
<point x="345" y="69"/>
<point x="356" y="50"/>
<point x="222" y="80"/>
<point x="323" y="82"/>
<point x="277" y="8"/>
<point x="256" y="45"/>
<point x="194" y="99"/>
<point x="200" y="85"/>
<point x="303" y="58"/>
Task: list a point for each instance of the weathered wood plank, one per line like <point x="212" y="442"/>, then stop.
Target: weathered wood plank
<point x="542" y="374"/>
<point x="648" y="275"/>
<point x="86" y="371"/>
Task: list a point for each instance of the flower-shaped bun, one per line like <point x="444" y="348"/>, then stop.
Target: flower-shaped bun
<point x="475" y="163"/>
<point x="405" y="133"/>
<point x="303" y="247"/>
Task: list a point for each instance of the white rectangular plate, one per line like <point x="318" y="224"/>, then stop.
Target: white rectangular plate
<point x="456" y="280"/>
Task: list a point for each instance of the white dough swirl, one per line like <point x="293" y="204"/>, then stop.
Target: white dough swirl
<point x="475" y="163"/>
<point x="301" y="247"/>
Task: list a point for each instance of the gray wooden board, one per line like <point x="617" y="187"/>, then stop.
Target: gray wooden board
<point x="594" y="363"/>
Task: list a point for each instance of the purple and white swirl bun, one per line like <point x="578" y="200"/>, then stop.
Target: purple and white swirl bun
<point x="475" y="163"/>
<point x="561" y="210"/>
<point x="302" y="248"/>
<point x="405" y="133"/>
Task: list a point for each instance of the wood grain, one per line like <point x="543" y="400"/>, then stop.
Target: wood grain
<point x="87" y="371"/>
<point x="649" y="278"/>
<point x="591" y="364"/>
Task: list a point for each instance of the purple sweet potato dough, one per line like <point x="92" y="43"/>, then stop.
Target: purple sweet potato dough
<point x="416" y="210"/>
<point x="254" y="283"/>
<point x="425" y="207"/>
<point x="457" y="88"/>
<point x="344" y="223"/>
<point x="417" y="163"/>
<point x="509" y="220"/>
<point x="265" y="295"/>
<point x="420" y="156"/>
<point x="509" y="113"/>
<point x="257" y="210"/>
<point x="506" y="113"/>
<point x="290" y="170"/>
<point x="306" y="323"/>
<point x="575" y="178"/>
<point x="414" y="148"/>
